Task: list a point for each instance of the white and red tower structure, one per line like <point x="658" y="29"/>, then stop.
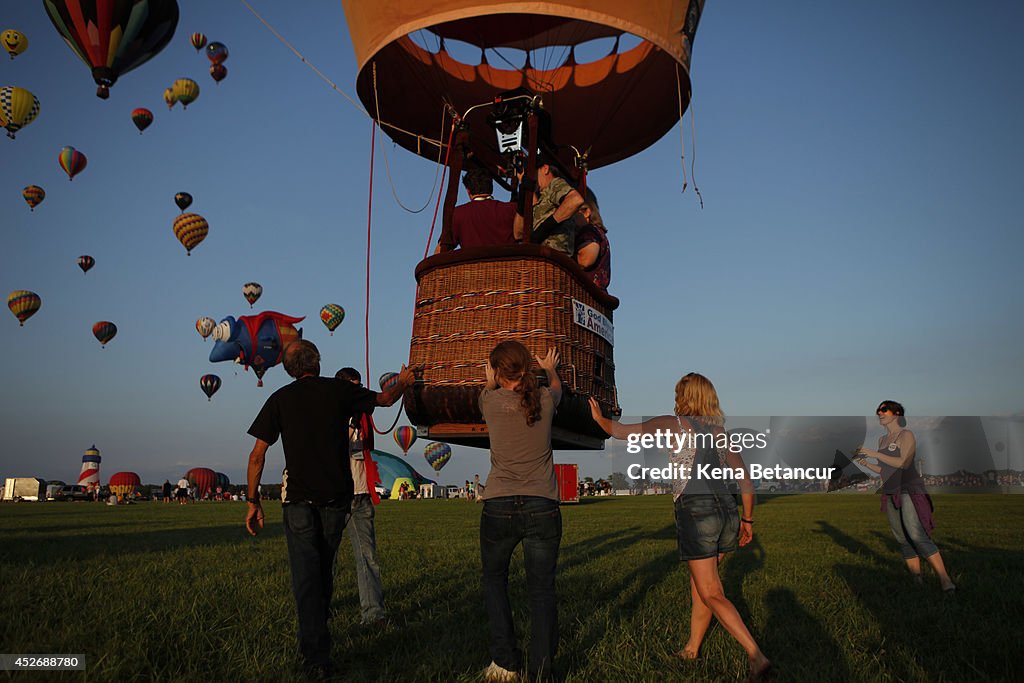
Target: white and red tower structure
<point x="90" y="475"/>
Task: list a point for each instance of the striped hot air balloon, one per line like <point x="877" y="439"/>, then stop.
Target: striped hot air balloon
<point x="216" y="52"/>
<point x="332" y="315"/>
<point x="437" y="455"/>
<point x="34" y="196"/>
<point x="185" y="91"/>
<point x="85" y="262"/>
<point x="104" y="331"/>
<point x="405" y="437"/>
<point x="142" y="117"/>
<point x="198" y="41"/>
<point x="202" y="478"/>
<point x="190" y="229"/>
<point x="23" y="304"/>
<point x="18" y="108"/>
<point x="252" y="291"/>
<point x="72" y="161"/>
<point x="387" y="380"/>
<point x="209" y="384"/>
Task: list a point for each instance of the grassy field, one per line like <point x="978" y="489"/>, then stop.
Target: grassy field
<point x="162" y="592"/>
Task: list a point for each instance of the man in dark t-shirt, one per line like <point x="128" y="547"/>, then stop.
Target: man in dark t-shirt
<point x="482" y="221"/>
<point x="310" y="416"/>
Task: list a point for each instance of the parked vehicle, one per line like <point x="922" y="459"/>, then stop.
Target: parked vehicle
<point x="72" y="492"/>
<point x="24" y="488"/>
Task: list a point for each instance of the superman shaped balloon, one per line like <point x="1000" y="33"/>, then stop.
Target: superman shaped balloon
<point x="257" y="340"/>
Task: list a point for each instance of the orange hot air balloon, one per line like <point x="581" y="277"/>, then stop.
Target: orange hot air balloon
<point x="202" y="478"/>
<point x="190" y="229"/>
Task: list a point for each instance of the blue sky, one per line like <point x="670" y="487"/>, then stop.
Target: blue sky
<point x="859" y="240"/>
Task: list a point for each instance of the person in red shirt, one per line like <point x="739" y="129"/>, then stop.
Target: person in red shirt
<point x="482" y="221"/>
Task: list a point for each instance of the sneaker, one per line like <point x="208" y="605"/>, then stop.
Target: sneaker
<point x="500" y="674"/>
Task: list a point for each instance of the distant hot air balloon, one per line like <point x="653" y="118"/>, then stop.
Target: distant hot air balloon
<point x="18" y="108"/>
<point x="388" y="380"/>
<point x="198" y="41"/>
<point x="332" y="315"/>
<point x="190" y="229"/>
<point x="217" y="53"/>
<point x="23" y="304"/>
<point x="14" y="42"/>
<point x="113" y="38"/>
<point x="169" y="98"/>
<point x="218" y="72"/>
<point x="185" y="91"/>
<point x="405" y="437"/>
<point x="34" y="196"/>
<point x="104" y="331"/>
<point x="221" y="480"/>
<point x="183" y="200"/>
<point x="142" y="117"/>
<point x="72" y="161"/>
<point x="124" y="483"/>
<point x="205" y="325"/>
<point x="209" y="384"/>
<point x="86" y="262"/>
<point x="202" y="478"/>
<point x="437" y="455"/>
<point x="252" y="291"/>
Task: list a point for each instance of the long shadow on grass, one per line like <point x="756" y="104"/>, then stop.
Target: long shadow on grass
<point x="54" y="548"/>
<point x="790" y="632"/>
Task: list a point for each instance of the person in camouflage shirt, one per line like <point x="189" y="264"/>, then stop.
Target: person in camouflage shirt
<point x="554" y="211"/>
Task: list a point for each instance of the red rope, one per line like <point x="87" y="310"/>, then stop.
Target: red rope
<point x="440" y="191"/>
<point x="369" y="214"/>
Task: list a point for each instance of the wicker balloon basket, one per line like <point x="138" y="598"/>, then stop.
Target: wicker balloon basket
<point x="470" y="300"/>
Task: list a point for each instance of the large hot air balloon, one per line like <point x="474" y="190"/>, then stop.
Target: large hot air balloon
<point x="254" y="340"/>
<point x="185" y="91"/>
<point x="218" y="72"/>
<point x="18" y="108"/>
<point x="23" y="304"/>
<point x="142" y="117"/>
<point x="104" y="331"/>
<point x="198" y="41"/>
<point x="202" y="478"/>
<point x="190" y="229"/>
<point x="216" y="52"/>
<point x="183" y="200"/>
<point x="204" y="326"/>
<point x="332" y="315"/>
<point x="112" y="38"/>
<point x="437" y="455"/>
<point x="209" y="384"/>
<point x="169" y="99"/>
<point x="85" y="262"/>
<point x="72" y="161"/>
<point x="14" y="42"/>
<point x="252" y="291"/>
<point x="34" y="196"/>
<point x="124" y="483"/>
<point x="405" y="437"/>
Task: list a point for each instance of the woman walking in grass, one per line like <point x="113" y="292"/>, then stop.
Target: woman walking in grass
<point x="904" y="499"/>
<point x="520" y="505"/>
<point x="707" y="521"/>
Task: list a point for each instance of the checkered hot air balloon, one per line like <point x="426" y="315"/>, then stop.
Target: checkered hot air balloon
<point x="252" y="291"/>
<point x="198" y="41"/>
<point x="72" y="161"/>
<point x="18" y="108"/>
<point x="209" y="384"/>
<point x="437" y="455"/>
<point x="405" y="437"/>
<point x="142" y="117"/>
<point x="331" y="316"/>
<point x="34" y="196"/>
<point x="190" y="229"/>
<point x="23" y="304"/>
<point x="85" y="262"/>
<point x="104" y="331"/>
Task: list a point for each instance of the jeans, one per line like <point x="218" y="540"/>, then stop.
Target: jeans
<point x="537" y="522"/>
<point x="313" y="533"/>
<point x="909" y="532"/>
<point x="364" y="547"/>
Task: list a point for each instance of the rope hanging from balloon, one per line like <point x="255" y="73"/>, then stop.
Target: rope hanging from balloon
<point x="693" y="140"/>
<point x="369" y="216"/>
<point x="447" y="156"/>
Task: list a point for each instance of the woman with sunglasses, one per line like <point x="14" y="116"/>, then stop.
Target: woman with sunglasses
<point x="905" y="501"/>
<point x="708" y="524"/>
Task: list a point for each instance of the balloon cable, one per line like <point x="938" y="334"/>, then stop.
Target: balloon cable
<point x="682" y="135"/>
<point x="401" y="407"/>
<point x="433" y="223"/>
<point x="369" y="215"/>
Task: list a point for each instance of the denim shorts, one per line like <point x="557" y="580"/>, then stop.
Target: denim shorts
<point x="706" y="525"/>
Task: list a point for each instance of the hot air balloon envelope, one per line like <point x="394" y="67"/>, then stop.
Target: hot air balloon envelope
<point x="72" y="161"/>
<point x="332" y="315"/>
<point x="190" y="229"/>
<point x="142" y="117"/>
<point x="34" y="196"/>
<point x="18" y="108"/>
<point x="86" y="262"/>
<point x="14" y="42"/>
<point x="209" y="384"/>
<point x="23" y="304"/>
<point x="183" y="200"/>
<point x="405" y="437"/>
